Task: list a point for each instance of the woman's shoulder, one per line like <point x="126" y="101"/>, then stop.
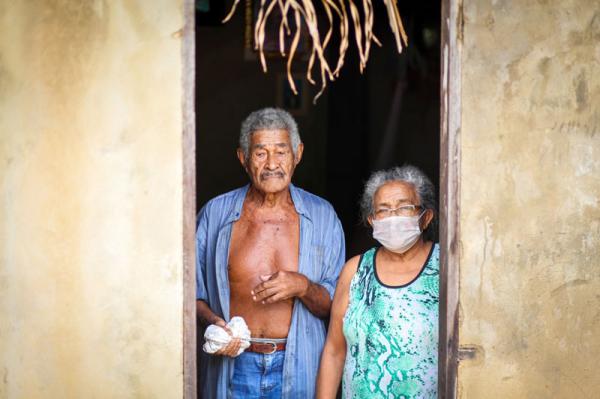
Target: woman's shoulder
<point x="354" y="264"/>
<point x="350" y="268"/>
<point x="433" y="261"/>
<point x="367" y="256"/>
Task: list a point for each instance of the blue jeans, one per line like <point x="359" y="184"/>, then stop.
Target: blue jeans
<point x="257" y="375"/>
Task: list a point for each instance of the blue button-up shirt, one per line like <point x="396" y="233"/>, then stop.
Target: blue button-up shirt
<point x="321" y="257"/>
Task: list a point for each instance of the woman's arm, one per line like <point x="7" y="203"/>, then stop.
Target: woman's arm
<point x="334" y="353"/>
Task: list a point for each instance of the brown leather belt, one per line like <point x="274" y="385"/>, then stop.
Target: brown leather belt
<point x="266" y="347"/>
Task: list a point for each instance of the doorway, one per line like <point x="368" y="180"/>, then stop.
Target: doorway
<point x="389" y="115"/>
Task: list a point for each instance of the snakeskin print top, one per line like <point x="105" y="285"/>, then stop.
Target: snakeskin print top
<point x="392" y="334"/>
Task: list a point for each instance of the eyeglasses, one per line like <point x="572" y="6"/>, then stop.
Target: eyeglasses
<point x="404" y="210"/>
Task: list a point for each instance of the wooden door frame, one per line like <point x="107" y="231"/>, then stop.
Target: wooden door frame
<point x="188" y="53"/>
<point x="450" y="125"/>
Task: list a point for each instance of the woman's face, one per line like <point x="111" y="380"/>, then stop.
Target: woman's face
<point x="398" y="198"/>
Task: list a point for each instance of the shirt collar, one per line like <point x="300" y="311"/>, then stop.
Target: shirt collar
<point x="297" y="198"/>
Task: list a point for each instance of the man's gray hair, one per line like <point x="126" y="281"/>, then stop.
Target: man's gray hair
<point x="268" y="119"/>
<point x="408" y="174"/>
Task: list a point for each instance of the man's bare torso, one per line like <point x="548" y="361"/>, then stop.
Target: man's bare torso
<point x="263" y="241"/>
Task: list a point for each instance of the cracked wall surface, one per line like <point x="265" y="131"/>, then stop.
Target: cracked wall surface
<point x="530" y="189"/>
<point x="91" y="199"/>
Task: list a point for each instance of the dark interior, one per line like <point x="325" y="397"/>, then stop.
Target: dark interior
<point x="387" y="116"/>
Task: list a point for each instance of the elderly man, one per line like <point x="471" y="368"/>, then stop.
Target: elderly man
<point x="271" y="253"/>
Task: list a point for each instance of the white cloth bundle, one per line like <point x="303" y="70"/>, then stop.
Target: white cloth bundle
<point x="216" y="337"/>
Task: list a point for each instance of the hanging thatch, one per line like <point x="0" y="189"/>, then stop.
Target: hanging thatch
<point x="336" y="10"/>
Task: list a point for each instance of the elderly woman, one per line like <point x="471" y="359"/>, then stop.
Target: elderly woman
<point x="383" y="333"/>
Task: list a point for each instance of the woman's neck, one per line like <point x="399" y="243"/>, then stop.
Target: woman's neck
<point x="407" y="256"/>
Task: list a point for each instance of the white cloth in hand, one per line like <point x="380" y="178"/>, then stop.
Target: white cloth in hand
<point x="217" y="338"/>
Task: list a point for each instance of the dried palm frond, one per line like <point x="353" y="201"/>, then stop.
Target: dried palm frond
<point x="303" y="11"/>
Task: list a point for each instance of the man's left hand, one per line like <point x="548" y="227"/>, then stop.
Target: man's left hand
<point x="280" y="286"/>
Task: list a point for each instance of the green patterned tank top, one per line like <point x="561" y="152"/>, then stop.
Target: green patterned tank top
<point x="392" y="334"/>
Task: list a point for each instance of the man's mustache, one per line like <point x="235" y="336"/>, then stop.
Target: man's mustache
<point x="266" y="175"/>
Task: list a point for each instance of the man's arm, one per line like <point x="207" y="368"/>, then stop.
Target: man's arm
<point x="316" y="299"/>
<point x="315" y="296"/>
<point x="285" y="285"/>
<point x="205" y="315"/>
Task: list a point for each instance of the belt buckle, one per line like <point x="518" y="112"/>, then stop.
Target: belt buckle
<point x="274" y="348"/>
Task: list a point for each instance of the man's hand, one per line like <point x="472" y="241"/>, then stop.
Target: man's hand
<point x="233" y="347"/>
<point x="280" y="286"/>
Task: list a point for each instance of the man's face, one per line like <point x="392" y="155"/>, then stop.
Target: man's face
<point x="270" y="162"/>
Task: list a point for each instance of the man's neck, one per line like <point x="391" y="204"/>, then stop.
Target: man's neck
<point x="261" y="199"/>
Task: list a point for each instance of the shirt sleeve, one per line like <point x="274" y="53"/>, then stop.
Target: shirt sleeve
<point x="201" y="238"/>
<point x="336" y="256"/>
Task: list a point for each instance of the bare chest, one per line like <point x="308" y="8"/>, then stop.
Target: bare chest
<point x="263" y="246"/>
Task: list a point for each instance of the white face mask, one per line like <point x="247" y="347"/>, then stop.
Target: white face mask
<point x="397" y="233"/>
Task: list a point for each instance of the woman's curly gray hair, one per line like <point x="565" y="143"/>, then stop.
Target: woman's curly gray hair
<point x="408" y="174"/>
<point x="269" y="119"/>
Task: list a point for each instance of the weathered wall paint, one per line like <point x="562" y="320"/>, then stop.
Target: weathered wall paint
<point x="530" y="214"/>
<point x="91" y="206"/>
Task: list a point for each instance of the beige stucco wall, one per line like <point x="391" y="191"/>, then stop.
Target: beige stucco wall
<point x="530" y="215"/>
<point x="91" y="199"/>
